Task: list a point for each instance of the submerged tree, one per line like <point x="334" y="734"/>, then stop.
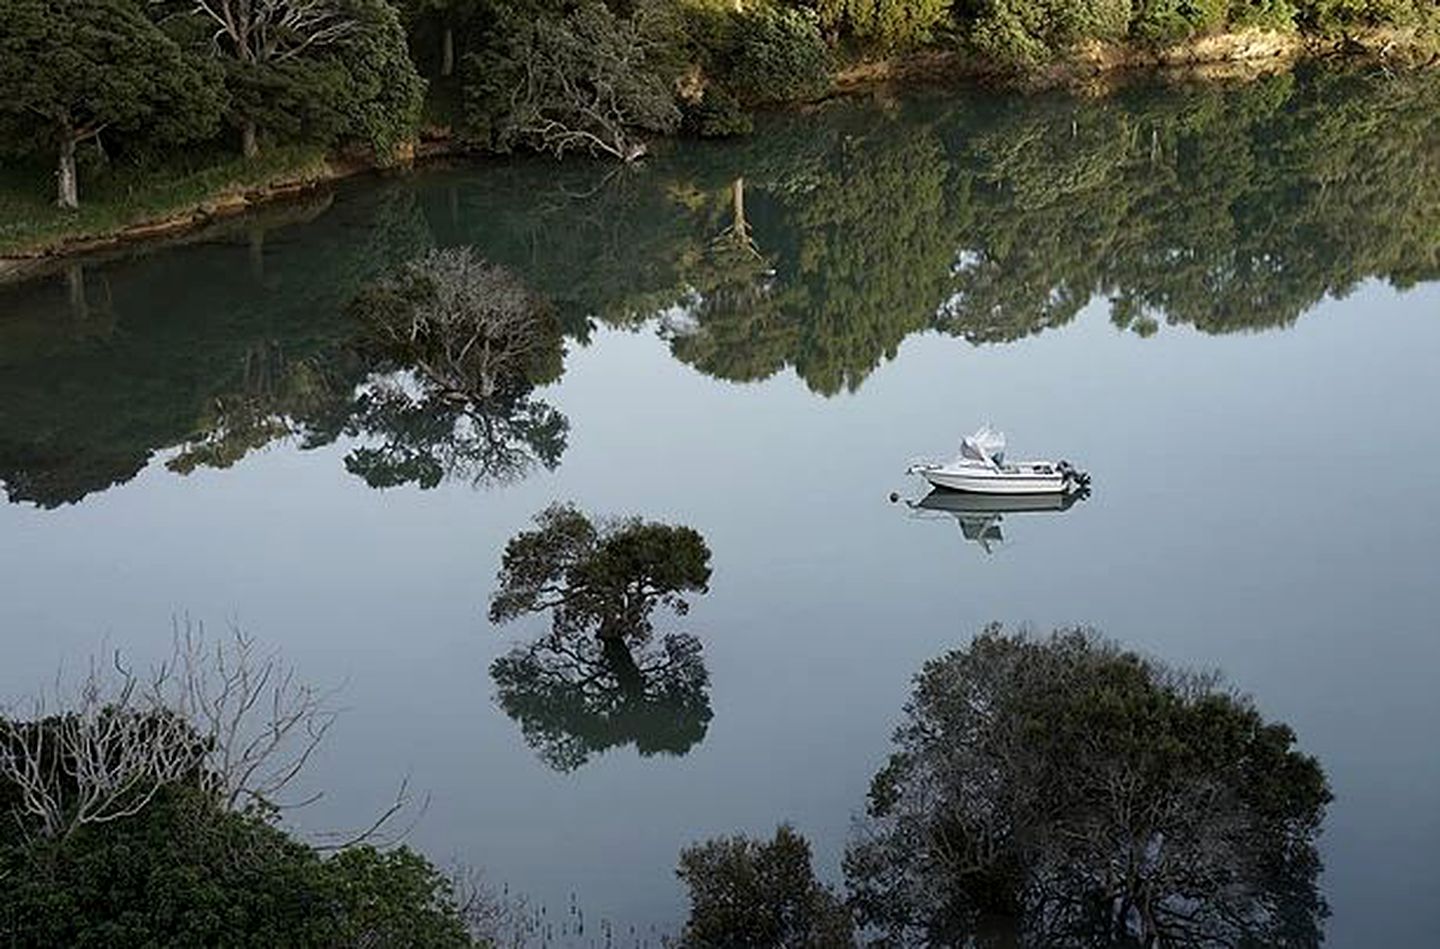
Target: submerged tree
<point x="1095" y="797"/>
<point x="746" y="892"/>
<point x="598" y="679"/>
<point x="605" y="579"/>
<point x="457" y="345"/>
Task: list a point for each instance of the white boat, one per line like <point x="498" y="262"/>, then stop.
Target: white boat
<point x="981" y="468"/>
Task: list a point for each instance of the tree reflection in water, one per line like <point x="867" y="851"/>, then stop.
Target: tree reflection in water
<point x="576" y="697"/>
<point x="600" y="679"/>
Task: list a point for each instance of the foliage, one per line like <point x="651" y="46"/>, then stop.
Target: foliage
<point x="778" y="56"/>
<point x="1170" y="21"/>
<point x="141" y="811"/>
<point x="384" y="95"/>
<point x="575" y="694"/>
<point x="606" y="578"/>
<point x="717" y="114"/>
<point x="185" y="872"/>
<point x="1032" y="31"/>
<point x="884" y="24"/>
<point x="1338" y="16"/>
<point x="589" y="80"/>
<point x="70" y="71"/>
<point x="747" y="892"/>
<point x="1098" y="796"/>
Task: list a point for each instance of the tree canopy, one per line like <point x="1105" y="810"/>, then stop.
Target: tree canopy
<point x="1092" y="795"/>
<point x="72" y="71"/>
<point x="606" y="579"/>
<point x="746" y="892"/>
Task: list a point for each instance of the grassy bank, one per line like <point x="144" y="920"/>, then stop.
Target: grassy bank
<point x="125" y="201"/>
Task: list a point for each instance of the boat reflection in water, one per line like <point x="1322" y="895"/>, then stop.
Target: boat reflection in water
<point x="980" y="515"/>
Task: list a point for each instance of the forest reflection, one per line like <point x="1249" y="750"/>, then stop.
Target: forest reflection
<point x="818" y="245"/>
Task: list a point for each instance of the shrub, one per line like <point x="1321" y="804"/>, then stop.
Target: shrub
<point x="779" y="56"/>
<point x="1170" y="21"/>
<point x="887" y="24"/>
<point x="1033" y="31"/>
<point x="1338" y="16"/>
<point x="717" y="114"/>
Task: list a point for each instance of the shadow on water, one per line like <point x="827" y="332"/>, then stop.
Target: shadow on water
<point x="816" y="246"/>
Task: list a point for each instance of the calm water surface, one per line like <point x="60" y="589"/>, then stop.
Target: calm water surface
<point x="1222" y="302"/>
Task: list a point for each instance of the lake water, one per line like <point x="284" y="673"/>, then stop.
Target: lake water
<point x="1220" y="301"/>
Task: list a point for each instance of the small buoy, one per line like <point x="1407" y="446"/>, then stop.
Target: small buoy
<point x="894" y="496"/>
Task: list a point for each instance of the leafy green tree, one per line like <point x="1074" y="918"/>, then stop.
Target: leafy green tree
<point x="777" y="55"/>
<point x="70" y="71"/>
<point x="1094" y="796"/>
<point x="1338" y="16"/>
<point x="1028" y="32"/>
<point x="589" y="79"/>
<point x="607" y="579"/>
<point x="884" y="24"/>
<point x="574" y="693"/>
<point x="321" y="69"/>
<point x="746" y="892"/>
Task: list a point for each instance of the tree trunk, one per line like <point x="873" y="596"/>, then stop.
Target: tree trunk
<point x="249" y="144"/>
<point x="737" y="206"/>
<point x="69" y="194"/>
<point x="75" y="292"/>
<point x="447" y="51"/>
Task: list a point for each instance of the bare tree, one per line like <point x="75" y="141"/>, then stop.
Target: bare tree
<point x="270" y="32"/>
<point x="100" y="756"/>
<point x="258" y="724"/>
<point x="464" y="323"/>
<point x="591" y="81"/>
<point x="219" y="714"/>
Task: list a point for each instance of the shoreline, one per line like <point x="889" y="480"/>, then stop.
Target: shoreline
<point x="1095" y="68"/>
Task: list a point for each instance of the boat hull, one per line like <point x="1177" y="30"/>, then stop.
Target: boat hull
<point x="995" y="482"/>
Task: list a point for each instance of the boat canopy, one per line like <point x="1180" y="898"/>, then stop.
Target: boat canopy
<point x="986" y="445"/>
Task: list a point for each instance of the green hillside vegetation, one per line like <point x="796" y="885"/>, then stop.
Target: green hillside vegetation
<point x="146" y="108"/>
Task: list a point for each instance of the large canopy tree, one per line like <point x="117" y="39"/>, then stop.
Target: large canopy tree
<point x="605" y="578"/>
<point x="1095" y="797"/>
<point x="317" y="68"/>
<point x="69" y="71"/>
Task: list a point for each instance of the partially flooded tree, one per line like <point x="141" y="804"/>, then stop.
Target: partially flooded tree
<point x="577" y="697"/>
<point x="746" y="892"/>
<point x="598" y="679"/>
<point x="606" y="579"/>
<point x="1093" y="797"/>
<point x="457" y="345"/>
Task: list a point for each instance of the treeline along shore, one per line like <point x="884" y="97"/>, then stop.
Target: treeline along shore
<point x="125" y="118"/>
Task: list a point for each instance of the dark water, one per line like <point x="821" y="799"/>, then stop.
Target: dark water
<point x="1222" y="302"/>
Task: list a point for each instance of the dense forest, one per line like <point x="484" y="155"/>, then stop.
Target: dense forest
<point x="1226" y="209"/>
<point x="98" y="84"/>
